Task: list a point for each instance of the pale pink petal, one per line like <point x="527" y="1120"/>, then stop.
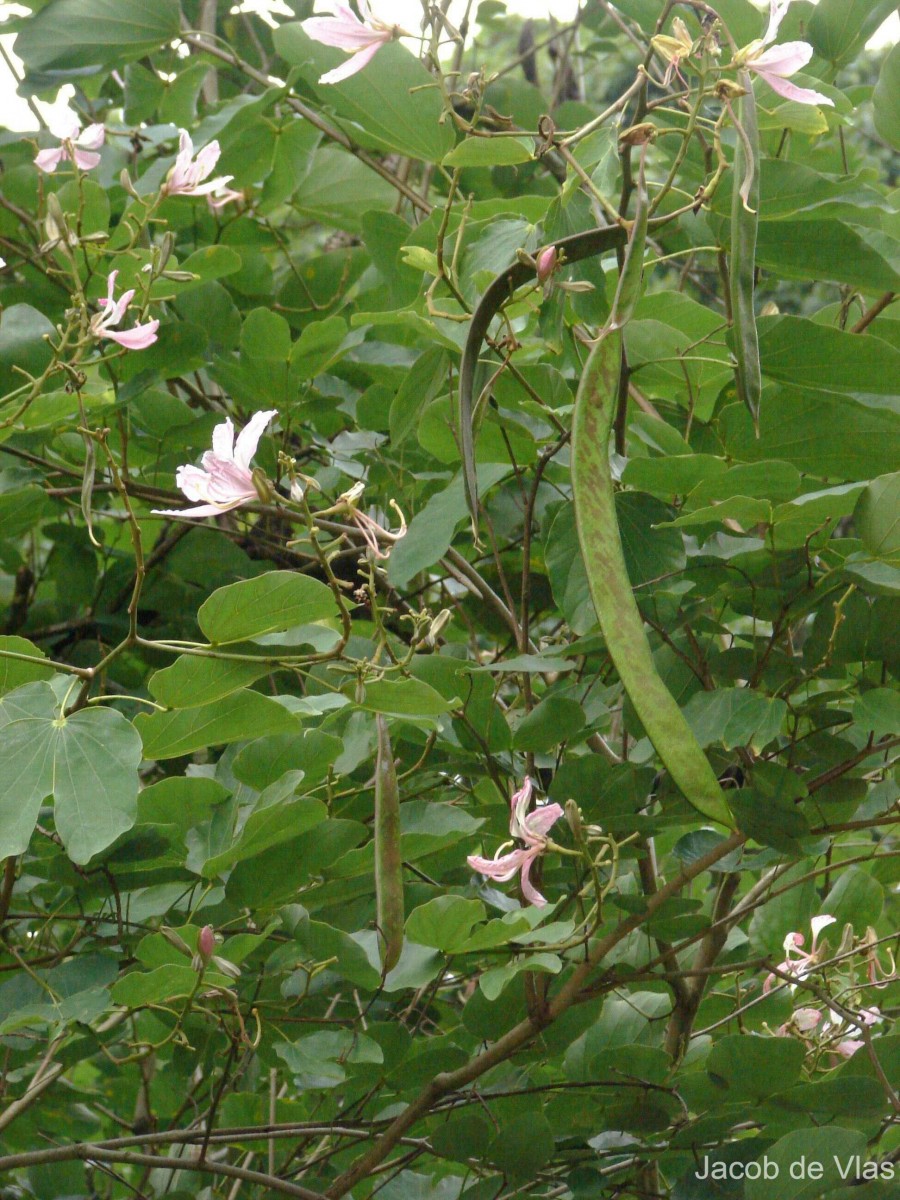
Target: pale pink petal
<point x="806" y="1019"/>
<point x="138" y="338"/>
<point x="85" y="160"/>
<point x="502" y="868"/>
<point x="541" y="821"/>
<point x="203" y="189"/>
<point x="519" y="804"/>
<point x="783" y="59"/>
<point x="777" y="9"/>
<point x="49" y="160"/>
<point x="116" y="309"/>
<point x="92" y="138"/>
<point x="354" y="63"/>
<point x="223" y="440"/>
<point x="248" y="438"/>
<point x="817" y="924"/>
<point x="193" y="482"/>
<point x="345" y="33"/>
<point x="207" y="159"/>
<point x="790" y="91"/>
<point x="849" y="1047"/>
<point x="66" y="127"/>
<point x="200" y="510"/>
<point x="529" y="891"/>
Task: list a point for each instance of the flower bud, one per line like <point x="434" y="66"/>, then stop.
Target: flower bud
<point x="297" y="491"/>
<point x="174" y="939"/>
<point x="574" y="819"/>
<point x="125" y="181"/>
<point x="546" y="263"/>
<point x="206" y="943"/>
<point x="262" y="485"/>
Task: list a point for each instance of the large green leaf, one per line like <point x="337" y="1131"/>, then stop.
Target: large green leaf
<point x="241" y="715"/>
<point x="828" y="249"/>
<point x="838" y="29"/>
<point x="272" y="602"/>
<point x="792" y="1175"/>
<point x="878" y="516"/>
<point x="393" y="104"/>
<point x="87" y="762"/>
<point x="79" y="33"/>
<point x="886" y="99"/>
<point x="795" y="350"/>
<point x="193" y="680"/>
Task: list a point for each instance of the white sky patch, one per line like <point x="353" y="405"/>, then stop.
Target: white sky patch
<point x="15" y="113"/>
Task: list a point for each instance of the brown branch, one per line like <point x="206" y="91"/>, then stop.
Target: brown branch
<point x="869" y="316"/>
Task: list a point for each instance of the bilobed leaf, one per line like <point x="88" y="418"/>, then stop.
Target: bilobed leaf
<point x="839" y="28"/>
<point x="15" y="672"/>
<point x="87" y="762"/>
<point x="752" y="1067"/>
<point x="269" y="825"/>
<point x="241" y="715"/>
<point x="886" y="99"/>
<point x="277" y="600"/>
<point x="834" y="1150"/>
<point x="877" y="516"/>
<point x="444" y="923"/>
<point x="79" y="33"/>
<point x="393" y="104"/>
<point x="403" y="697"/>
<point x="489" y="152"/>
<point x="192" y="680"/>
<point x="796" y="350"/>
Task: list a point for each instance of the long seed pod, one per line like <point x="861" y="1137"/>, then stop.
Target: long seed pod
<point x="569" y="250"/>
<point x="744" y="223"/>
<point x="601" y="548"/>
<point x="388" y="862"/>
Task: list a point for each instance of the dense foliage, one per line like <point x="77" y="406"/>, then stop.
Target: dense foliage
<point x="272" y="709"/>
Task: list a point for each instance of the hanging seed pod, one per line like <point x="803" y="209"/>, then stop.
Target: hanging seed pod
<point x="388" y="862"/>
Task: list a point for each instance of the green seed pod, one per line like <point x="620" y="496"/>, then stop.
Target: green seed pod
<point x="601" y="548"/>
<point x="744" y="223"/>
<point x="388" y="862"/>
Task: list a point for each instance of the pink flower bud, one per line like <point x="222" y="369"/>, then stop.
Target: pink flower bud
<point x="546" y="263"/>
<point x="206" y="943"/>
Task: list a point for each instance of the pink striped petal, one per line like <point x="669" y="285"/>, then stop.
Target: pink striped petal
<point x="529" y="891"/>
<point x="783" y="59"/>
<point x="541" y="821"/>
<point x="200" y="510"/>
<point x="92" y="138"/>
<point x="248" y="438"/>
<point x="502" y="868"/>
<point x="790" y="91"/>
<point x="49" y="160"/>
<point x="138" y="338"/>
<point x="355" y="63"/>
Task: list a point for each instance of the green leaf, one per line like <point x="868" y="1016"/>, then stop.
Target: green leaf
<point x="444" y="923"/>
<point x="795" y="350"/>
<point x="318" y="347"/>
<point x="554" y="720"/>
<point x="428" y="374"/>
<point x="272" y="602"/>
<point x="495" y="979"/>
<point x="886" y="99"/>
<point x="878" y="712"/>
<point x="403" y="698"/>
<point x="243" y="714"/>
<point x="14" y="672"/>
<point x="392" y="105"/>
<point x="877" y="516"/>
<point x="856" y="898"/>
<point x="792" y="1176"/>
<point x="522" y="1146"/>
<point x="748" y="1068"/>
<point x="87" y="762"/>
<point x="79" y="33"/>
<point x="23" y="334"/>
<point x="838" y="29"/>
<point x="431" y="530"/>
<point x="193" y="680"/>
<point x="827" y="249"/>
<point x="489" y="152"/>
<point x="270" y="824"/>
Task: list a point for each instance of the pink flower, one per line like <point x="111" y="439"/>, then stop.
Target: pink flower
<point x="532" y="829"/>
<point x="368" y="526"/>
<point x="78" y="147"/>
<point x="803" y="1020"/>
<point x="799" y="962"/>
<point x="187" y="175"/>
<point x="103" y="323"/>
<point x="225" y="480"/>
<point x="773" y="65"/>
<point x="345" y="30"/>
